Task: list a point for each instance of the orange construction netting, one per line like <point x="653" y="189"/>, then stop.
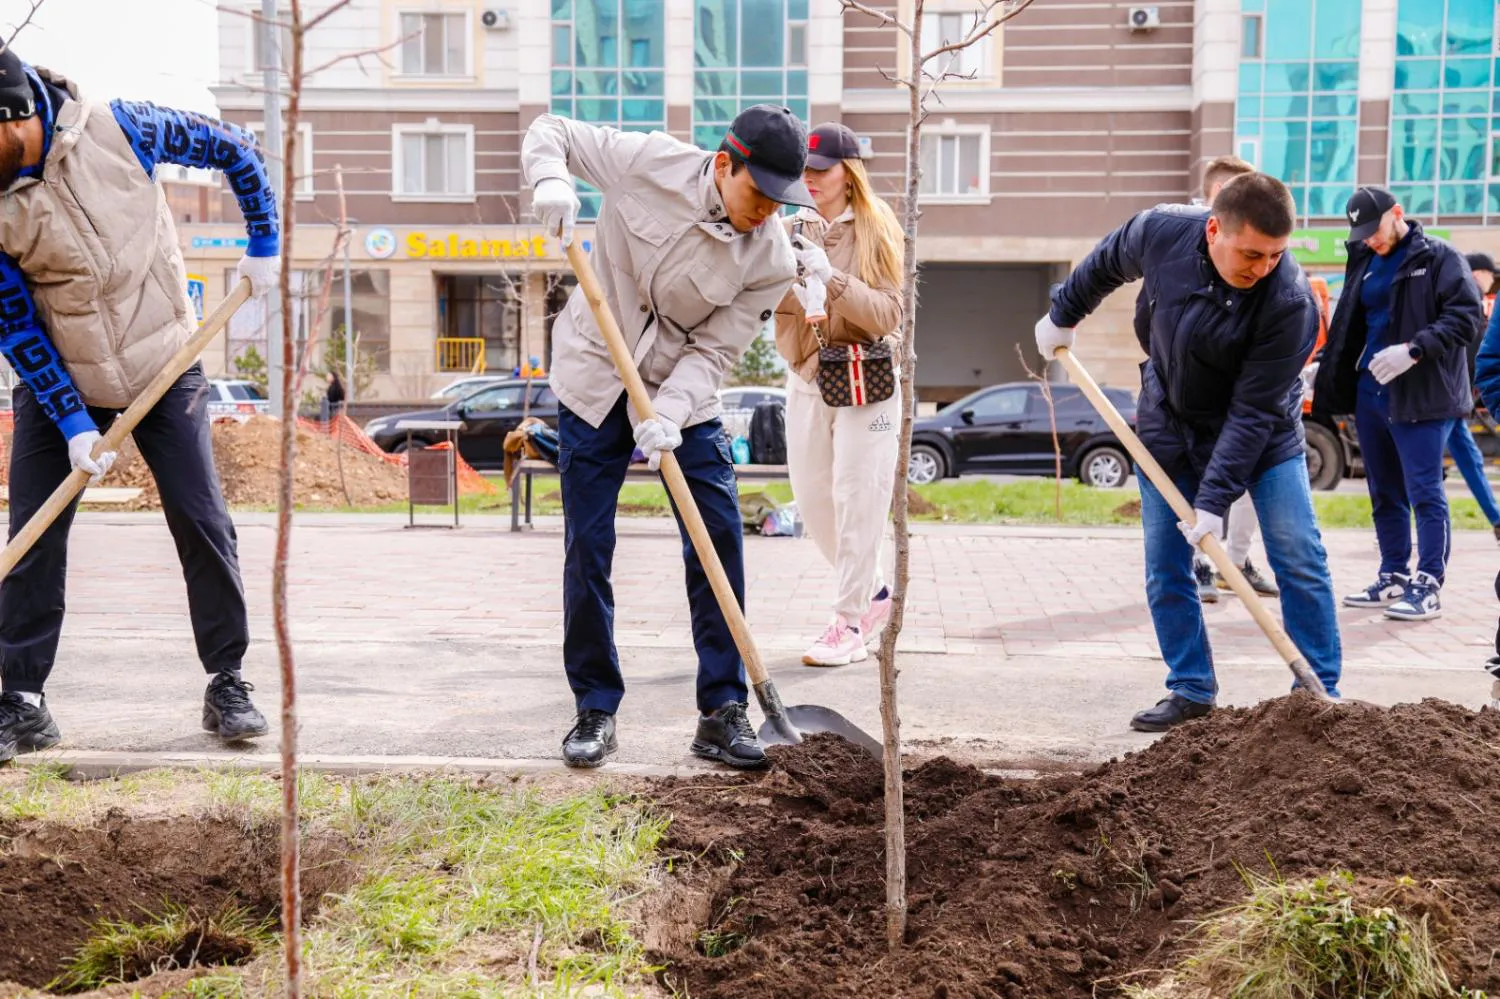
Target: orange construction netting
<point x="469" y="480"/>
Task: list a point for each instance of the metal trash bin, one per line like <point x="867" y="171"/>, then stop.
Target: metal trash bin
<point x="431" y="472"/>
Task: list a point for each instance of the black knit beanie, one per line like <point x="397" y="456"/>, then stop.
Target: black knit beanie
<point x="17" y="100"/>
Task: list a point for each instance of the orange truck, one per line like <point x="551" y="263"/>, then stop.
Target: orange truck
<point x="1332" y="452"/>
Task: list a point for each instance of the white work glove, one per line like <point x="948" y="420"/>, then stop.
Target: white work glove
<point x="812" y="259"/>
<point x="80" y="453"/>
<point x="1204" y="524"/>
<point x="1050" y="336"/>
<point x="555" y="203"/>
<point x="655" y="436"/>
<point x="263" y="272"/>
<point x="1389" y="364"/>
<point x="814" y="297"/>
<point x="1309" y="376"/>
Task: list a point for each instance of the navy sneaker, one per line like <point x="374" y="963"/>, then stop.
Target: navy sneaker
<point x="1419" y="602"/>
<point x="1389" y="588"/>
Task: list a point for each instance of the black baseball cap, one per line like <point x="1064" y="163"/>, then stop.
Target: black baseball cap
<point x="1365" y="209"/>
<point x="829" y="143"/>
<point x="17" y="101"/>
<point x="1480" y="262"/>
<point x="773" y="143"/>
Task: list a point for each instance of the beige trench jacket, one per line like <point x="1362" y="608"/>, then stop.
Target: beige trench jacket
<point x="690" y="293"/>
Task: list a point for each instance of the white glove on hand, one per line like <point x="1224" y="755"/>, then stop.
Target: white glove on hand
<point x="1309" y="376"/>
<point x="1050" y="336"/>
<point x="1392" y="362"/>
<point x="812" y="258"/>
<point x="655" y="436"/>
<point x="555" y="203"/>
<point x="813" y="296"/>
<point x="263" y="272"/>
<point x="1204" y="524"/>
<point x="80" y="453"/>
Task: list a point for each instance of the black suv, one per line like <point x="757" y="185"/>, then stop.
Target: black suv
<point x="1006" y="430"/>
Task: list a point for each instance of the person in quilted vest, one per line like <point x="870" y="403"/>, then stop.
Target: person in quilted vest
<point x="841" y="453"/>
<point x="93" y="303"/>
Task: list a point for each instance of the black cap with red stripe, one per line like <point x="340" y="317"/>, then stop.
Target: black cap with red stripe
<point x="773" y="143"/>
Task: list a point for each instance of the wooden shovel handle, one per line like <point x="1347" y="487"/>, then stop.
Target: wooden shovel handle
<point x="671" y="472"/>
<point x="1184" y="510"/>
<point x="111" y="440"/>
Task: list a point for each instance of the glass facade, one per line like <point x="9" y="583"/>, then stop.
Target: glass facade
<point x="1445" y="111"/>
<point x="1297" y="117"/>
<point x="746" y="52"/>
<point x="609" y="68"/>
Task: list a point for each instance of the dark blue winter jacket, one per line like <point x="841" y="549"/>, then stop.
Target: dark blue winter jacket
<point x="1435" y="305"/>
<point x="1487" y="366"/>
<point x="1221" y="396"/>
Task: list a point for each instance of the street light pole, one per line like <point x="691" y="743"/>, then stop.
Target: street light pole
<point x="271" y="49"/>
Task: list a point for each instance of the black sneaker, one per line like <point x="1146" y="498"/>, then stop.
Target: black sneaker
<point x="590" y="740"/>
<point x="24" y="728"/>
<point x="1169" y="712"/>
<point x="227" y="711"/>
<point x="1257" y="580"/>
<point x="726" y="736"/>
<point x="1203" y="571"/>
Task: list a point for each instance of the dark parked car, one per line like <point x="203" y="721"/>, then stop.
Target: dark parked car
<point x="488" y="415"/>
<point x="1006" y="430"/>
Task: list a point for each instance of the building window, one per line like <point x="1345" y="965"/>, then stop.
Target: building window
<point x="307" y="181"/>
<point x="260" y="34"/>
<point x="939" y="29"/>
<point x="1442" y="148"/>
<point x="955" y="164"/>
<point x="433" y="162"/>
<point x="1249" y="151"/>
<point x="1251" y="26"/>
<point x="435" y="44"/>
<point x="609" y="68"/>
<point x="1298" y="101"/>
<point x="370" y="302"/>
<point x="740" y="59"/>
<point x="483" y="307"/>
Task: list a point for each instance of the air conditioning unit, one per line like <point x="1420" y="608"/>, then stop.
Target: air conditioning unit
<point x="495" y="20"/>
<point x="1144" y="18"/>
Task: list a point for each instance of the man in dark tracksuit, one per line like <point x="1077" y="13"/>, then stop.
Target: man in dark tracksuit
<point x="93" y="302"/>
<point x="1232" y="320"/>
<point x="1397" y="358"/>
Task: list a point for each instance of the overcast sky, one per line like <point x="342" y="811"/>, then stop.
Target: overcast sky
<point x="156" y="50"/>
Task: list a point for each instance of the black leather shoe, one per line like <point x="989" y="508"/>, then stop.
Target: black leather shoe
<point x="1169" y="713"/>
<point x="590" y="740"/>
<point x="24" y="728"/>
<point x="726" y="736"/>
<point x="228" y="711"/>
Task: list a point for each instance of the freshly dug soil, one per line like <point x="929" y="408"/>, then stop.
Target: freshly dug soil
<point x="248" y="455"/>
<point x="58" y="881"/>
<point x="1050" y="888"/>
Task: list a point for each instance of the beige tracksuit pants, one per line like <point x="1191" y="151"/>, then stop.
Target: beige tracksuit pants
<point x="842" y="463"/>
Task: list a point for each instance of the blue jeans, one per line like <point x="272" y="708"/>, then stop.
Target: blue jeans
<point x="592" y="463"/>
<point x="1470" y="464"/>
<point x="1404" y="473"/>
<point x="1294" y="549"/>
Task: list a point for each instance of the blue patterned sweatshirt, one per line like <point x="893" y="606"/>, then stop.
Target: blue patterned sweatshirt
<point x="157" y="135"/>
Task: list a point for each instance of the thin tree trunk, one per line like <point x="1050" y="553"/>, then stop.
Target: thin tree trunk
<point x="890" y="718"/>
<point x="291" y="893"/>
<point x="349" y="359"/>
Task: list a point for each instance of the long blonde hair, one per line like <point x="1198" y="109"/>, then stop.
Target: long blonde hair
<point x="879" y="242"/>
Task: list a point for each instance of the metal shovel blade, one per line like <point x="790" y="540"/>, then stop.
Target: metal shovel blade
<point x="801" y="720"/>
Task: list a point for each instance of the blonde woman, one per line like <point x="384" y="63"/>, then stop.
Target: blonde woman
<point x="842" y="458"/>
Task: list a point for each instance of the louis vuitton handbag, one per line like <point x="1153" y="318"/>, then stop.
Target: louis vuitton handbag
<point x="855" y="374"/>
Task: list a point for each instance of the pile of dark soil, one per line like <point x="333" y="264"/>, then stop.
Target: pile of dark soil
<point x="1071" y="886"/>
<point x="59" y="881"/>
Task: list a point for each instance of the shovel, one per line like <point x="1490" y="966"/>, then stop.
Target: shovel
<point x="1184" y="510"/>
<point x="783" y="725"/>
<point x="111" y="440"/>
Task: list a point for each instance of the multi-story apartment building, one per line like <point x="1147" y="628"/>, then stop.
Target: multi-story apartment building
<point x="1068" y="119"/>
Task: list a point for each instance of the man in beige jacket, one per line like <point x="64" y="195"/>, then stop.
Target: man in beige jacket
<point x="692" y="265"/>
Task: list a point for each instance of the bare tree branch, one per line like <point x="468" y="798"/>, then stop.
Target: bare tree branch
<point x="36" y="5"/>
<point x="1046" y="387"/>
<point x="378" y="52"/>
<point x="886" y="20"/>
<point x="333" y="8"/>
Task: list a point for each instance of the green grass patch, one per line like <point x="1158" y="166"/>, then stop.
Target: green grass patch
<point x="120" y="951"/>
<point x="463" y="889"/>
<point x="1333" y="937"/>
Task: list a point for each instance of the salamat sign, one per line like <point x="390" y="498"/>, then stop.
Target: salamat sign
<point x="451" y="245"/>
<point x="1328" y="246"/>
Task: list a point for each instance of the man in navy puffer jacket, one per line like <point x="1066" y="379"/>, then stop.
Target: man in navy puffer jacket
<point x="1232" y="320"/>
